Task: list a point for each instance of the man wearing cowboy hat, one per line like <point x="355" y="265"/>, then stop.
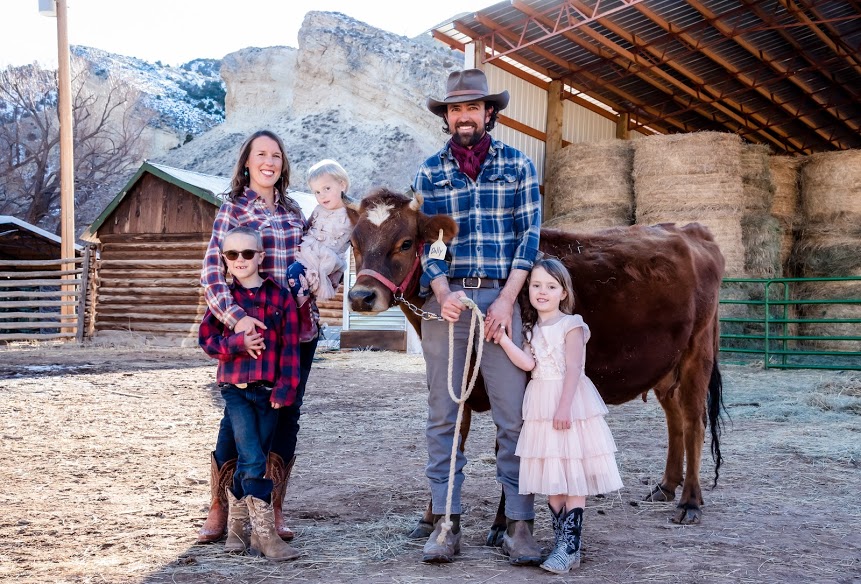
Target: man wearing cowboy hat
<point x="491" y="191"/>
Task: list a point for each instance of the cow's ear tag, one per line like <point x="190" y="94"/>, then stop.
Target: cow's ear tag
<point x="438" y="249"/>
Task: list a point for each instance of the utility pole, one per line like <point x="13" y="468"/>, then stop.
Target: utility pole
<point x="67" y="167"/>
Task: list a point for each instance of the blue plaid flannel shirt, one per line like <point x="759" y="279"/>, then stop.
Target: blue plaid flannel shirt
<point x="498" y="216"/>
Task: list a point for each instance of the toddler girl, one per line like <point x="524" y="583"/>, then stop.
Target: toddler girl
<point x="566" y="449"/>
<point x="320" y="259"/>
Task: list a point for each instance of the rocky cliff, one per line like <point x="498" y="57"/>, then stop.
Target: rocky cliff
<point x="349" y="92"/>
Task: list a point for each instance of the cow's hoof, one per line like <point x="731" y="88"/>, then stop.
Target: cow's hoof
<point x="422" y="531"/>
<point x="660" y="495"/>
<point x="495" y="535"/>
<point x="687" y="515"/>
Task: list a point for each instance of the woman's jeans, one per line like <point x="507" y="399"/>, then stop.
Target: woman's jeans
<point x="287" y="428"/>
<point x="253" y="421"/>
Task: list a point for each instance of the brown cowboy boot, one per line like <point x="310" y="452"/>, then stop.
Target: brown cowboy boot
<point x="519" y="545"/>
<point x="238" y="525"/>
<point x="264" y="538"/>
<point x="216" y="521"/>
<point x="279" y="474"/>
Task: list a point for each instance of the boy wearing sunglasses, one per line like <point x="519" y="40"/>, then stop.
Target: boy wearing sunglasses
<point x="254" y="388"/>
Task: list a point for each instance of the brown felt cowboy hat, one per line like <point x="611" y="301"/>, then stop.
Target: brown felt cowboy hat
<point x="464" y="86"/>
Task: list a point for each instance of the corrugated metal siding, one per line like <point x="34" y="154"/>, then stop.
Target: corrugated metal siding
<point x="582" y="125"/>
<point x="528" y="103"/>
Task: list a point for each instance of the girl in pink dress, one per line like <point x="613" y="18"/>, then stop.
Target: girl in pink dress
<point x="566" y="449"/>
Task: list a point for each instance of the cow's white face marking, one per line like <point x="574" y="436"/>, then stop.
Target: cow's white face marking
<point x="380" y="213"/>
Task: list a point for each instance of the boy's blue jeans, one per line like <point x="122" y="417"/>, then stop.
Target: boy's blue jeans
<point x="284" y="441"/>
<point x="253" y="421"/>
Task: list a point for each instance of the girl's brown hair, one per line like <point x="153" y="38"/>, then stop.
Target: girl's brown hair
<point x="557" y="271"/>
<point x="240" y="179"/>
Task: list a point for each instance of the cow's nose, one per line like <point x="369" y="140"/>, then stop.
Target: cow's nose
<point x="362" y="300"/>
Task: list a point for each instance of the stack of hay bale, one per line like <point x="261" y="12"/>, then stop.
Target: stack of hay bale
<point x="829" y="243"/>
<point x="760" y="231"/>
<point x="588" y="186"/>
<point x="784" y="206"/>
<point x="682" y="178"/>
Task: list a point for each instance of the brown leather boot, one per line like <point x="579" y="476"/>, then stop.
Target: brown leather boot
<point x="519" y="545"/>
<point x="307" y="325"/>
<point x="279" y="474"/>
<point x="238" y="525"/>
<point x="264" y="538"/>
<point x="216" y="521"/>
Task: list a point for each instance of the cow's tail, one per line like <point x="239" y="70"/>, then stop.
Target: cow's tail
<point x="716" y="404"/>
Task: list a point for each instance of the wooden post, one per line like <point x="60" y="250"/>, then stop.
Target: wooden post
<point x="622" y="131"/>
<point x="67" y="173"/>
<point x="478" y="54"/>
<point x="82" y="298"/>
<point x="553" y="127"/>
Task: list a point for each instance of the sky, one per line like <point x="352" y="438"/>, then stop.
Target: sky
<point x="177" y="31"/>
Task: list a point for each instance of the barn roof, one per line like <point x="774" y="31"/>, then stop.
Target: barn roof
<point x="208" y="187"/>
<point x="786" y="73"/>
<point x="22" y="240"/>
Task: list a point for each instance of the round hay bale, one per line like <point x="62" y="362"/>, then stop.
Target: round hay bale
<point x="687" y="154"/>
<point x="784" y="177"/>
<point x="589" y="178"/>
<point x="757" y="186"/>
<point x="575" y="222"/>
<point x="761" y="239"/>
<point x="831" y="188"/>
<point x="694" y="193"/>
<point x="725" y="228"/>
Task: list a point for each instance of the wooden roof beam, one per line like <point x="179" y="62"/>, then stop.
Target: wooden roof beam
<point x="561" y="17"/>
<point x="836" y="46"/>
<point x="696" y="95"/>
<point x="780" y="68"/>
<point x="583" y="75"/>
<point x="685" y="38"/>
<point x="587" y="77"/>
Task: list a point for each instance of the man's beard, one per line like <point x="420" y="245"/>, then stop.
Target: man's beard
<point x="469" y="141"/>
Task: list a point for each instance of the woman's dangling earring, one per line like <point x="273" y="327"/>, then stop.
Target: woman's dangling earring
<point x="246" y="172"/>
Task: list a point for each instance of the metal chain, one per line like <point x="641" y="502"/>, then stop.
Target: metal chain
<point x="424" y="314"/>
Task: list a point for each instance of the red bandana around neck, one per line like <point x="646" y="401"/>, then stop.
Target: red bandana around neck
<point x="471" y="159"/>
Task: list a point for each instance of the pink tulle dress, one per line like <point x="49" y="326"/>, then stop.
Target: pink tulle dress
<point x="576" y="462"/>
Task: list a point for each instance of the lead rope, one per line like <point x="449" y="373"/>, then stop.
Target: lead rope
<point x="466" y="390"/>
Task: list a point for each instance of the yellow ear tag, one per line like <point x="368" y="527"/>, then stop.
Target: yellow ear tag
<point x="437" y="250"/>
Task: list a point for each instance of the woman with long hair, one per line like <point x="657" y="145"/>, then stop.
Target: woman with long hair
<point x="257" y="199"/>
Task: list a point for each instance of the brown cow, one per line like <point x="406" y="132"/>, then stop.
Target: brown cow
<point x="649" y="295"/>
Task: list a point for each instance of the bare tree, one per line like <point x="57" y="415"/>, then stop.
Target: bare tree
<point x="108" y="123"/>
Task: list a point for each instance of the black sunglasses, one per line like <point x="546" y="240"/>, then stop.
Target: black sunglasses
<point x="246" y="254"/>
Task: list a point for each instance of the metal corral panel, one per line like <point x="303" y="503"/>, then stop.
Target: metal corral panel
<point x="582" y="125"/>
<point x="528" y="104"/>
<point x="391" y="320"/>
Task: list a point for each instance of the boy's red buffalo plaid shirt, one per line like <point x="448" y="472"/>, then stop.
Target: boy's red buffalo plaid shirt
<point x="279" y="362"/>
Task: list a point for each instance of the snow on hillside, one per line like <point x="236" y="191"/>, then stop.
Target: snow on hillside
<point x="188" y="99"/>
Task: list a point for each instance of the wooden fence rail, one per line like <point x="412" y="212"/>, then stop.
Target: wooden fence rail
<point x="35" y="296"/>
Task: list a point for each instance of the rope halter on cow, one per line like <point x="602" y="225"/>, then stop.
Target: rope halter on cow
<point x="466" y="390"/>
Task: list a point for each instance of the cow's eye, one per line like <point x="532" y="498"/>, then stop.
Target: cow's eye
<point x="407" y="244"/>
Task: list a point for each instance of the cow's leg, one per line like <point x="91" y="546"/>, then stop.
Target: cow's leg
<point x="667" y="393"/>
<point x="692" y="397"/>
<point x="424" y="527"/>
<point x="497" y="530"/>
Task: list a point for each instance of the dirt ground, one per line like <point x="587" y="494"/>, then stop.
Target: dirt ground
<point x="104" y="463"/>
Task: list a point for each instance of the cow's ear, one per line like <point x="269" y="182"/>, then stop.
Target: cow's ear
<point x="353" y="208"/>
<point x="429" y="227"/>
